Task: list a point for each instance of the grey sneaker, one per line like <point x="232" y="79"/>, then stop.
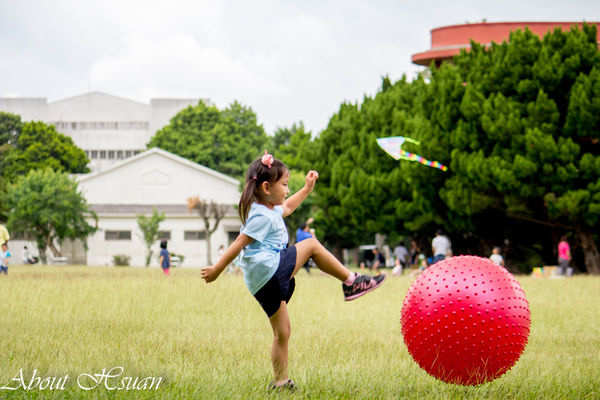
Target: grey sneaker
<point x="363" y="284"/>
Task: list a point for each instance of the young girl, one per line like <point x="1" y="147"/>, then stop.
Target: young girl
<point x="165" y="257"/>
<point x="269" y="267"/>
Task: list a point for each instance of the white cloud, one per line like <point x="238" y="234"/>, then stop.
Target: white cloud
<point x="176" y="65"/>
<point x="288" y="60"/>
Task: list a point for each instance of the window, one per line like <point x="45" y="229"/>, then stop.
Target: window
<point x="119" y="154"/>
<point x="103" y="154"/>
<point x="164" y="235"/>
<point x="111" y="155"/>
<point x="117" y="235"/>
<point x="87" y="153"/>
<point x="22" y="236"/>
<point x="128" y="153"/>
<point x="94" y="154"/>
<point x="194" y="235"/>
<point x="73" y="125"/>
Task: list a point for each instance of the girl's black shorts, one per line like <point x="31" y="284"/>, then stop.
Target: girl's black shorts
<point x="280" y="287"/>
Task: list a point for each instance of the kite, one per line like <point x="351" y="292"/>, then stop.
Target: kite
<point x="393" y="146"/>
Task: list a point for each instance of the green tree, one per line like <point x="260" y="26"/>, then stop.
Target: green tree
<point x="293" y="146"/>
<point x="524" y="134"/>
<point x="48" y="205"/>
<point x="225" y="140"/>
<point x="10" y="128"/>
<point x="39" y="146"/>
<point x="518" y="125"/>
<point x="149" y="227"/>
<point x="361" y="190"/>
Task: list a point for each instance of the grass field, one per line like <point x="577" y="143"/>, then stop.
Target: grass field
<point x="212" y="341"/>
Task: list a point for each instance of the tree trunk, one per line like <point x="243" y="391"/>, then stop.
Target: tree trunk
<point x="53" y="248"/>
<point x="149" y="254"/>
<point x="338" y="251"/>
<point x="590" y="251"/>
<point x="208" y="252"/>
<point x="42" y="252"/>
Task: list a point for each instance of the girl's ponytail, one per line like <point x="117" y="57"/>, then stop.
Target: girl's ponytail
<point x="246" y="200"/>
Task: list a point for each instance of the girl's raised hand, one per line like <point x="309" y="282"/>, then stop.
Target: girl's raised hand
<point x="311" y="179"/>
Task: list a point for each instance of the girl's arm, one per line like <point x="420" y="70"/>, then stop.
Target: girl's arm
<point x="211" y="273"/>
<point x="292" y="202"/>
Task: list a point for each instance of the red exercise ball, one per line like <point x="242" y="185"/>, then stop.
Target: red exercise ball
<point x="465" y="320"/>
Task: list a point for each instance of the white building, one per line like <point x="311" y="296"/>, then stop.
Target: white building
<point x="108" y="128"/>
<point x="127" y="181"/>
<point x="161" y="180"/>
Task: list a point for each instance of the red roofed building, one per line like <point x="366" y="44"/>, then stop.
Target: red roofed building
<point x="447" y="41"/>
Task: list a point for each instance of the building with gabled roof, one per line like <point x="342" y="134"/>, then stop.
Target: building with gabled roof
<point x="154" y="179"/>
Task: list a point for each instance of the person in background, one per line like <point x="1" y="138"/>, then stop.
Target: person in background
<point x="564" y="255"/>
<point x="4" y="257"/>
<point x="441" y="247"/>
<point x="413" y="253"/>
<point x="496" y="257"/>
<point x="401" y="259"/>
<point x="378" y="262"/>
<point x="27" y="258"/>
<point x="165" y="257"/>
<point x="303" y="233"/>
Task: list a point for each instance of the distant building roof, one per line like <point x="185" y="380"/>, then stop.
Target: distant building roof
<point x="447" y="41"/>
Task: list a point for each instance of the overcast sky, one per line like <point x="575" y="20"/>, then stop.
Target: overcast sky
<point x="289" y="60"/>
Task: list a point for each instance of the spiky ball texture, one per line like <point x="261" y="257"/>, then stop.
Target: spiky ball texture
<point x="465" y="320"/>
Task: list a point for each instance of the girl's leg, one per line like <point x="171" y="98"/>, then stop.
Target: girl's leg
<point x="280" y="322"/>
<point x="322" y="257"/>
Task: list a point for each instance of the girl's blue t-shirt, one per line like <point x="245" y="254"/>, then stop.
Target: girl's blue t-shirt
<point x="165" y="254"/>
<point x="260" y="259"/>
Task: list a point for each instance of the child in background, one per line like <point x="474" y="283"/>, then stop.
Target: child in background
<point x="269" y="265"/>
<point x="165" y="257"/>
<point x="496" y="257"/>
<point x="4" y="257"/>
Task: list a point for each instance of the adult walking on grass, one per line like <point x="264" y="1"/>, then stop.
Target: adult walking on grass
<point x="269" y="265"/>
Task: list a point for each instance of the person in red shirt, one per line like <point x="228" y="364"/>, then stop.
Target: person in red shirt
<point x="564" y="255"/>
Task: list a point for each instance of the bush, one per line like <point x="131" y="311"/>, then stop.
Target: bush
<point x="181" y="258"/>
<point x="121" y="260"/>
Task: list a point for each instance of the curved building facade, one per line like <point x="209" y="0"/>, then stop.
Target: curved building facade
<point x="447" y="41"/>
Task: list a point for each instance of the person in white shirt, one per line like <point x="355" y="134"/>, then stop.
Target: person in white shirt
<point x="401" y="257"/>
<point x="441" y="247"/>
<point x="496" y="257"/>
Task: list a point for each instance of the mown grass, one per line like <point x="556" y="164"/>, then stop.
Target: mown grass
<point x="212" y="341"/>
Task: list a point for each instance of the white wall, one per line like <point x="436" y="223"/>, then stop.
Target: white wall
<point x="101" y="251"/>
<point x="97" y="106"/>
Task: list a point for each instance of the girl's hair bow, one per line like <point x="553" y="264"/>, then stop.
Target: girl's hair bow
<point x="267" y="159"/>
